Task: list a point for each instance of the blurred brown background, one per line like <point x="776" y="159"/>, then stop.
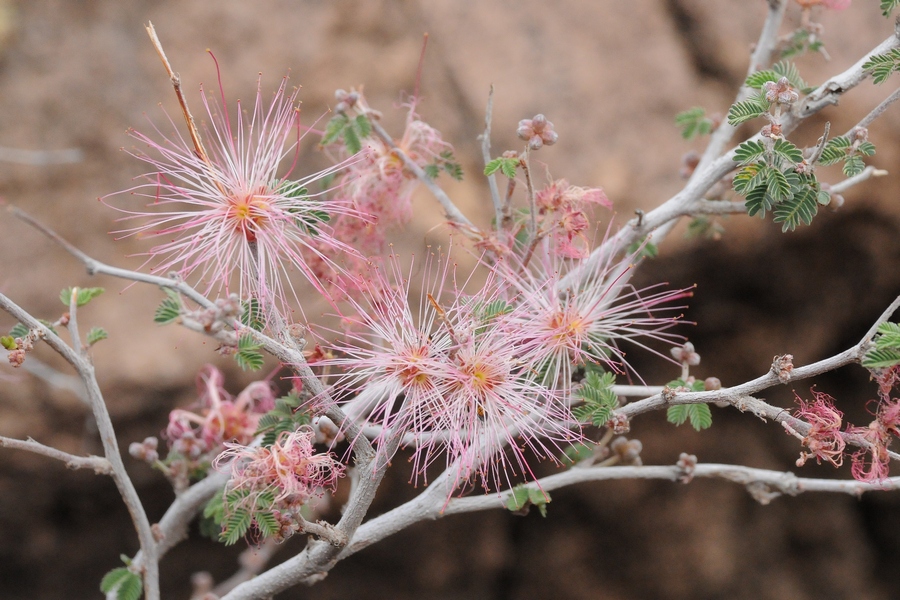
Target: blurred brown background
<point x="610" y="75"/>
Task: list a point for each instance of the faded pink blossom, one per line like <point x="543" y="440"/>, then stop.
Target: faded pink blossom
<point x="824" y="438"/>
<point x="200" y="434"/>
<point x="290" y="469"/>
<point x="562" y="207"/>
<point x="231" y="218"/>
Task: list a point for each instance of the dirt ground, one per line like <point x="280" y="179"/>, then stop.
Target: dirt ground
<point x="610" y="75"/>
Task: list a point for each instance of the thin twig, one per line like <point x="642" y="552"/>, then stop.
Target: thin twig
<point x="99" y="464"/>
<point x="867" y="173"/>
<point x="878" y="110"/>
<point x="107" y="433"/>
<point x="486" y="155"/>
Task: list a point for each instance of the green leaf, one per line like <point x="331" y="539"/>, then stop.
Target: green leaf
<point x="334" y="128"/>
<point x="125" y="584"/>
<point x="759" y="201"/>
<point x="834" y="151"/>
<point x="351" y="140"/>
<point x="698" y="414"/>
<point x="267" y="524"/>
<point x="751" y="108"/>
<point x="787" y="151"/>
<point x="432" y="171"/>
<point x="95" y="335"/>
<point x="454" y="170"/>
<point x="169" y="309"/>
<point x="599" y="399"/>
<point x="749" y="151"/>
<point x="786" y="68"/>
<point x="251" y="316"/>
<point x="749" y="177"/>
<point x="248" y="355"/>
<point x="801" y="208"/>
<point x="18" y="331"/>
<point x="888" y="6"/>
<point x="866" y="148"/>
<point x="693" y="122"/>
<point x="522" y="497"/>
<point x="235" y="526"/>
<point x="879" y="359"/>
<point x="577" y="453"/>
<point x="854" y="165"/>
<point x="779" y="187"/>
<point x="889" y="336"/>
<point x="83" y="296"/>
<point x="882" y="65"/>
<point x="362" y="126"/>
<point x="759" y="79"/>
<point x="642" y="248"/>
<point x="507" y="166"/>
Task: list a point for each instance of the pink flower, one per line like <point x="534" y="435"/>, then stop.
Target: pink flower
<point x="229" y="217"/>
<point x="567" y="325"/>
<point x="824" y="438"/>
<point x="562" y="205"/>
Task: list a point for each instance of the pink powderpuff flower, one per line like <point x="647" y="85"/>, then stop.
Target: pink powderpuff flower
<point x="198" y="435"/>
<point x="228" y="216"/>
<point x="824" y="438"/>
<point x="290" y="469"/>
<point x="447" y="375"/>
<point x="571" y="319"/>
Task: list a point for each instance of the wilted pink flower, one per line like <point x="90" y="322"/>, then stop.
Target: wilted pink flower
<point x="229" y="216"/>
<point x="562" y="207"/>
<point x="290" y="469"/>
<point x="824" y="438"/>
<point x="200" y="434"/>
<point x="872" y="463"/>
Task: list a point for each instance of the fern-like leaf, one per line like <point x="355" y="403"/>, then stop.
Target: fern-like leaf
<point x="835" y="151"/>
<point x="125" y="584"/>
<point x="95" y="335"/>
<point x="854" y="165"/>
<point x="699" y="415"/>
<point x="880" y="359"/>
<point x="248" y="356"/>
<point x="747" y="110"/>
<point x="759" y="201"/>
<point x="801" y="208"/>
<point x="748" y="152"/>
<point x="787" y="151"/>
<point x="882" y="65"/>
<point x="169" y="309"/>
<point x="888" y="6"/>
<point x="235" y="526"/>
<point x="267" y="523"/>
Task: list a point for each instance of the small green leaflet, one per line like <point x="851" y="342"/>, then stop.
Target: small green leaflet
<point x="169" y="309"/>
<point x="352" y="130"/>
<point x="95" y="335"/>
<point x="882" y="65"/>
<point x="801" y="208"/>
<point x="577" y="452"/>
<point x="523" y="497"/>
<point x="749" y="109"/>
<point x="84" y="295"/>
<point x="887" y="348"/>
<point x="251" y="316"/>
<point x="698" y="414"/>
<point x="447" y="162"/>
<point x="18" y="331"/>
<point x="693" y="122"/>
<point x="285" y="417"/>
<point x="507" y="166"/>
<point x="888" y="6"/>
<point x="248" y="355"/>
<point x="642" y="249"/>
<point x="125" y="584"/>
<point x="784" y="68"/>
<point x="235" y="526"/>
<point x="599" y="399"/>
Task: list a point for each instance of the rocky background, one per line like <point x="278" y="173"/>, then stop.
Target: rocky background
<point x="610" y="75"/>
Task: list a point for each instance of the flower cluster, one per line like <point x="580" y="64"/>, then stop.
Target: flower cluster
<point x="467" y="375"/>
<point x="562" y="207"/>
